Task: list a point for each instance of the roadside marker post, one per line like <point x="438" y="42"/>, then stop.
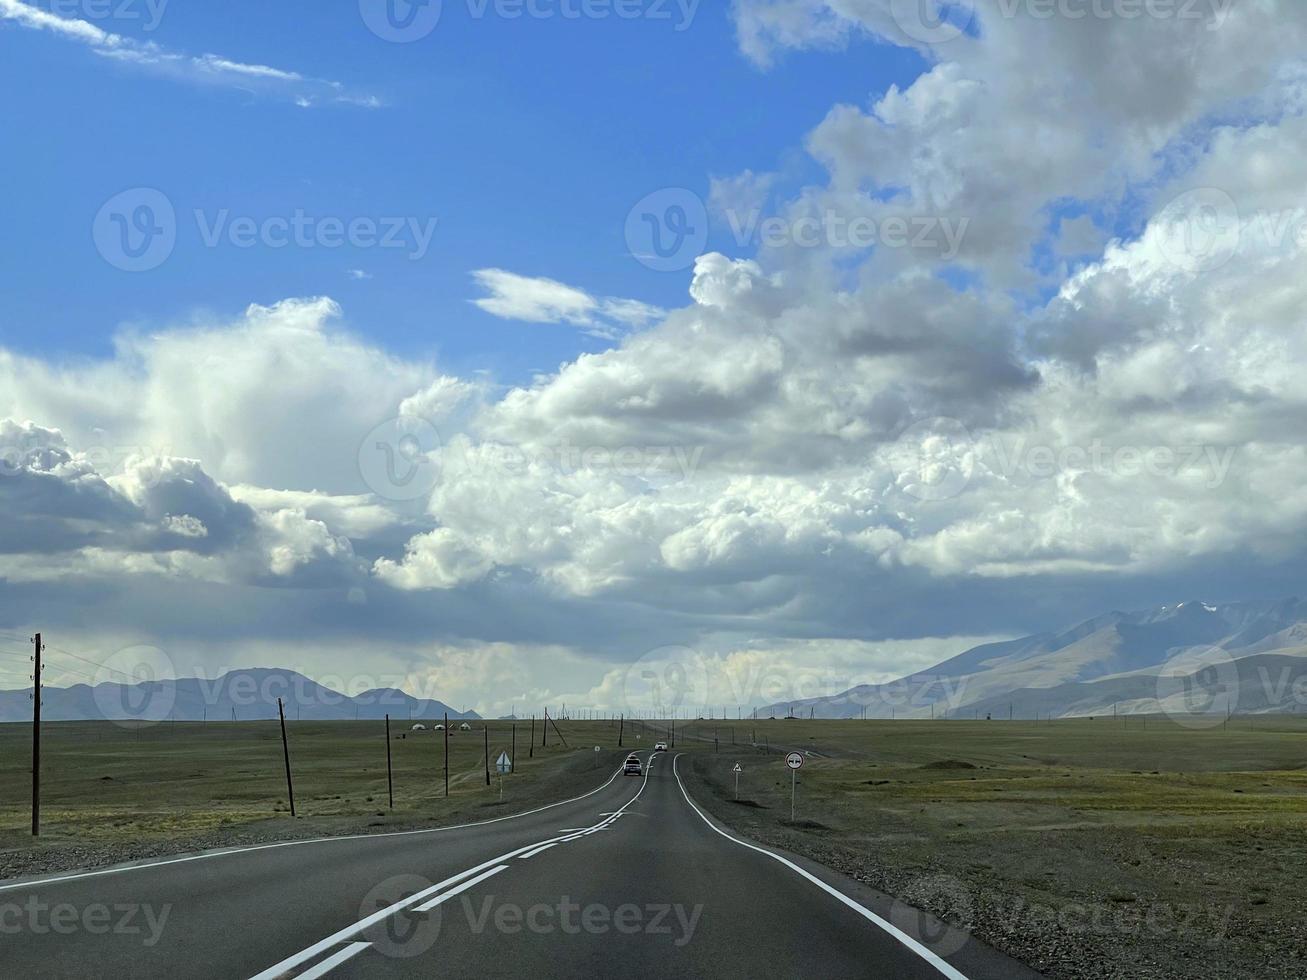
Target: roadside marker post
<point x="795" y="761"/>
<point x="390" y="772"/>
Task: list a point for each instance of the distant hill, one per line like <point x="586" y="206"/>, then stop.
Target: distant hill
<point x="1242" y="656"/>
<point x="247" y="695"/>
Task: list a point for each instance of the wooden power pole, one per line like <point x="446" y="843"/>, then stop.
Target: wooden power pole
<point x="285" y="748"/>
<point x="36" y="737"/>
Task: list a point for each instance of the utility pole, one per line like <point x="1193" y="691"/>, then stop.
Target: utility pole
<point x="390" y="776"/>
<point x="446" y="734"/>
<point x="531" y="750"/>
<point x="485" y="729"/>
<point x="285" y="748"/>
<point x="544" y="731"/>
<point x="36" y="737"/>
<point x="512" y="756"/>
<point x="620" y="729"/>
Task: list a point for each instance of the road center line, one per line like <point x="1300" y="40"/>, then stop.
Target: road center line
<point x="928" y="955"/>
<point x="349" y="932"/>
<point x="331" y="962"/>
<point x="458" y="890"/>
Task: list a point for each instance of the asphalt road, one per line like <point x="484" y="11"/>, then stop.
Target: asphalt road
<point x="632" y="879"/>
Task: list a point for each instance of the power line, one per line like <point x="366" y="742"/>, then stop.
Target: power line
<point x="93" y="663"/>
<point x="65" y="668"/>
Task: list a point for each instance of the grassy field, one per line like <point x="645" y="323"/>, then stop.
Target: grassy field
<point x="169" y="783"/>
<point x="1087" y="848"/>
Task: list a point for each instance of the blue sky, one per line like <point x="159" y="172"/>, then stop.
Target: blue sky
<point x="529" y="140"/>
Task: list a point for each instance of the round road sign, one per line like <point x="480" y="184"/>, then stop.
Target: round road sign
<point x="794" y="760"/>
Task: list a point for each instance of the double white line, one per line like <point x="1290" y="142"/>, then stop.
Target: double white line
<point x="425" y="900"/>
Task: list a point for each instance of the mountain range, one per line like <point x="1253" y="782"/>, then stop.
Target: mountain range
<point x="1190" y="659"/>
<point x="243" y="695"/>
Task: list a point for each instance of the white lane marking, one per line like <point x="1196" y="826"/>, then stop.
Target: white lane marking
<point x="531" y="854"/>
<point x="458" y="890"/>
<point x="349" y="932"/>
<point x="930" y="957"/>
<point x="573" y="830"/>
<point x="329" y="964"/>
<point x="35" y="882"/>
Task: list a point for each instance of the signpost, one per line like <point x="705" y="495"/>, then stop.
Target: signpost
<point x="738" y="770"/>
<point x="503" y="765"/>
<point x="795" y="761"/>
